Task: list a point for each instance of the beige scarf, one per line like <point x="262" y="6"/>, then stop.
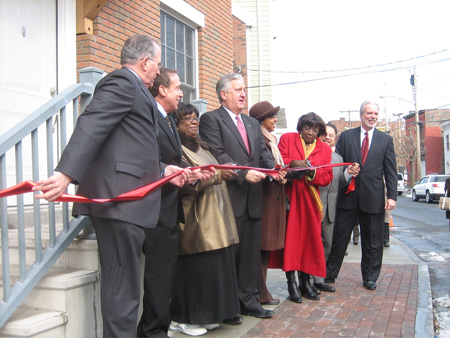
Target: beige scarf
<point x="273" y="146"/>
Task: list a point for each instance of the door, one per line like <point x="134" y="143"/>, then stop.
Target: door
<point x="27" y="66"/>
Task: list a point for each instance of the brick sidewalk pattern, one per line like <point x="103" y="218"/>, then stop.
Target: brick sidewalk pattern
<point x="351" y="311"/>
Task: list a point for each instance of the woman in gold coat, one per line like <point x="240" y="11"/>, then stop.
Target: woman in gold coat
<point x="205" y="291"/>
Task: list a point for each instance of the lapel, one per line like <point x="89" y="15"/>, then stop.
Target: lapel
<point x="356" y="140"/>
<point x="299" y="145"/>
<point x="233" y="128"/>
<point x="173" y="137"/>
<point x="375" y="141"/>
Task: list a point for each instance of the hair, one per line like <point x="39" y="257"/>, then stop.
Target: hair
<point x="224" y="83"/>
<point x="162" y="79"/>
<point x="311" y="120"/>
<point x="363" y="106"/>
<point x="329" y="124"/>
<point x="137" y="47"/>
<point x="183" y="110"/>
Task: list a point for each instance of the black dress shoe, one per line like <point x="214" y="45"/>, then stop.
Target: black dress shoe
<point x="315" y="289"/>
<point x="234" y="320"/>
<point x="271" y="302"/>
<point x="386" y="244"/>
<point x="329" y="280"/>
<point x="324" y="287"/>
<point x="370" y="285"/>
<point x="258" y="313"/>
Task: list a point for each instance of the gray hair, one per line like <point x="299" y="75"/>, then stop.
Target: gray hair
<point x="224" y="84"/>
<point x="138" y="47"/>
<point x="364" y="104"/>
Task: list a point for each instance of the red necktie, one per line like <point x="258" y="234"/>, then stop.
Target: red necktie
<point x="365" y="148"/>
<point x="243" y="132"/>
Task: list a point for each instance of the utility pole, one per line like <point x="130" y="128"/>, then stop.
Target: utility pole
<point x="349" y="116"/>
<point x="418" y="157"/>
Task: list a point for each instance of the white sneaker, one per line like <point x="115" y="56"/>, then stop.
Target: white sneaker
<point x="210" y="326"/>
<point x="190" y="330"/>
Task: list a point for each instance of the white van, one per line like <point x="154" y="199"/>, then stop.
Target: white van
<point x="401" y="184"/>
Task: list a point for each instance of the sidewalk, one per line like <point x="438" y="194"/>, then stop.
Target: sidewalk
<point x="400" y="306"/>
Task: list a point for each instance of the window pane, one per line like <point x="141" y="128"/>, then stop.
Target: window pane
<point x="180" y="67"/>
<point x="170" y="32"/>
<point x="189" y="41"/>
<point x="180" y="37"/>
<point x="170" y="59"/>
<point x="189" y="71"/>
<point x="163" y="55"/>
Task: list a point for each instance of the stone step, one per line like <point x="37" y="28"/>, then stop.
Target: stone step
<point x="35" y="323"/>
<point x="81" y="253"/>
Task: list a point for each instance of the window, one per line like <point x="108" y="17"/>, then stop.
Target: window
<point x="178" y="52"/>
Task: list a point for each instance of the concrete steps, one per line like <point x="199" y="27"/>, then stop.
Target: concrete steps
<point x="66" y="302"/>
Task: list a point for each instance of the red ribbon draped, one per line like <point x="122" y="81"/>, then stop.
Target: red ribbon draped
<point x="141" y="192"/>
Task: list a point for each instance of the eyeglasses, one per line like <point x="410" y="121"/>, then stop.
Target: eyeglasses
<point x="191" y="119"/>
<point x="160" y="65"/>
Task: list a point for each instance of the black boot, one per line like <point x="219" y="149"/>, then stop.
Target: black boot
<point x="305" y="287"/>
<point x="315" y="290"/>
<point x="294" y="296"/>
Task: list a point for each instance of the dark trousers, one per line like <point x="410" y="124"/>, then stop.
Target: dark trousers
<point x="372" y="236"/>
<point x="248" y="261"/>
<point x="119" y="247"/>
<point x="161" y="250"/>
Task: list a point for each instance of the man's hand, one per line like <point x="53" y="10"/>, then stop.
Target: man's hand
<point x="53" y="187"/>
<point x="353" y="169"/>
<point x="254" y="176"/>
<point x="390" y="204"/>
<point x="180" y="179"/>
<point x="201" y="175"/>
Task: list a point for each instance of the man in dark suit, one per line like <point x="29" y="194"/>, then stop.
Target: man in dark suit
<point x="237" y="138"/>
<point x="161" y="245"/>
<point x="374" y="150"/>
<point x="114" y="149"/>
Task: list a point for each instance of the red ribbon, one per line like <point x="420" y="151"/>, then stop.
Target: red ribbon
<point x="141" y="192"/>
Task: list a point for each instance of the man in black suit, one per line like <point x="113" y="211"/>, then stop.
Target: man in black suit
<point x="161" y="245"/>
<point x="237" y="138"/>
<point x="114" y="149"/>
<point x="374" y="150"/>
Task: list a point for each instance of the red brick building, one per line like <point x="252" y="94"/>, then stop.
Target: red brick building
<point x="431" y="143"/>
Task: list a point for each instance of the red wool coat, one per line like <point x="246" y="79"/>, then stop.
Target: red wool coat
<point x="303" y="249"/>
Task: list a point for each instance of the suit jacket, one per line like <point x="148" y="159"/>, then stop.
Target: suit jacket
<point x="218" y="130"/>
<point x="329" y="194"/>
<point x="171" y="152"/>
<point x="380" y="161"/>
<point x="114" y="149"/>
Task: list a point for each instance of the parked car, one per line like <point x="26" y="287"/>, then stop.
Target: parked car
<point x="401" y="184"/>
<point x="430" y="187"/>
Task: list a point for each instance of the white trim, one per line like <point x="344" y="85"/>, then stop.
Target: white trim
<point x="240" y="13"/>
<point x="67" y="54"/>
<point x="182" y="9"/>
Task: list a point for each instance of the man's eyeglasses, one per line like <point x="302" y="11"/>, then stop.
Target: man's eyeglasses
<point x="160" y="65"/>
<point x="191" y="119"/>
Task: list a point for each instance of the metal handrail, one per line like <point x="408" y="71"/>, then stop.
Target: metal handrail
<point x="12" y="143"/>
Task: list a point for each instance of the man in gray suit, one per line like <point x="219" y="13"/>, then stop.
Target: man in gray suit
<point x="237" y="138"/>
<point x="114" y="149"/>
<point x="374" y="150"/>
<point x="328" y="196"/>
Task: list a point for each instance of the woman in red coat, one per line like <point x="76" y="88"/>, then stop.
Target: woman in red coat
<point x="303" y="249"/>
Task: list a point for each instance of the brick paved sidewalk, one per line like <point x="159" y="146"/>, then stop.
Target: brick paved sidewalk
<point x="352" y="311"/>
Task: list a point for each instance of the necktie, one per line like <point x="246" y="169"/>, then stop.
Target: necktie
<point x="365" y="148"/>
<point x="168" y="122"/>
<point x="243" y="132"/>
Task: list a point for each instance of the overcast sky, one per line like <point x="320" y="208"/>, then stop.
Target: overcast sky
<point x="358" y="49"/>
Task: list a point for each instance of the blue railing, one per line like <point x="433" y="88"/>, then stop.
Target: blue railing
<point x="34" y="131"/>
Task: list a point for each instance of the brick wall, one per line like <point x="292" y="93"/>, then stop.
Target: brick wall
<point x="116" y="22"/>
<point x="120" y="19"/>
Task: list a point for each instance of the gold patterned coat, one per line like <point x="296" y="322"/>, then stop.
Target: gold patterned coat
<point x="209" y="219"/>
